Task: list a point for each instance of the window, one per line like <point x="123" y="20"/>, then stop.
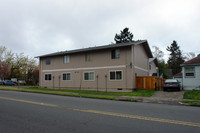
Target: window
<point x="47" y="76"/>
<point x="88" y="57"/>
<point x="115" y="54"/>
<point x="66" y="76"/>
<point x="48" y="61"/>
<point x="115" y="75"/>
<point x="66" y="59"/>
<point x="89" y="76"/>
<point x="149" y="67"/>
<point x="189" y="72"/>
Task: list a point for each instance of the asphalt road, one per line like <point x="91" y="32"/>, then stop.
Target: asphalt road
<point x="40" y="113"/>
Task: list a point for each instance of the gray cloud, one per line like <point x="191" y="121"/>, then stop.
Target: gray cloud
<point x="37" y="27"/>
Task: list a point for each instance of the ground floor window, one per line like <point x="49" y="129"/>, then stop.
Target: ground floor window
<point x="189" y="72"/>
<point x="115" y="75"/>
<point x="66" y="76"/>
<point x="47" y="76"/>
<point x="88" y="75"/>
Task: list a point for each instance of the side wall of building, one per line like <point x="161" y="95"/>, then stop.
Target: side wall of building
<point x="141" y="61"/>
<point x="152" y="68"/>
<point x="190" y="83"/>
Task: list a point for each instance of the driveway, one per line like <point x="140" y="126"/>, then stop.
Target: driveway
<point x="165" y="97"/>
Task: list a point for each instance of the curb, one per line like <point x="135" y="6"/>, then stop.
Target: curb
<point x="187" y="104"/>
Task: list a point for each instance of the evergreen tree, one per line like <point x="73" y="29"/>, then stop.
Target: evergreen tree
<point x="175" y="58"/>
<point x="124" y="36"/>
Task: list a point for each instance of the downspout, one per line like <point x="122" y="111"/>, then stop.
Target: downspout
<point x="106" y="82"/>
<point x="53" y="82"/>
<point x="133" y="66"/>
<point x="183" y="71"/>
<point x="40" y="75"/>
<point x="59" y="81"/>
<point x="97" y="83"/>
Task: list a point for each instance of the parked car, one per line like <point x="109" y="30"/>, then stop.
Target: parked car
<point x="171" y="84"/>
<point x="9" y="82"/>
<point x="2" y="82"/>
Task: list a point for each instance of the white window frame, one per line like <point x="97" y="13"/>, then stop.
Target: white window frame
<point x="115" y="75"/>
<point x="66" y="76"/>
<point x="48" y="78"/>
<point x="193" y="71"/>
<point x="66" y="59"/>
<point x="89" y="75"/>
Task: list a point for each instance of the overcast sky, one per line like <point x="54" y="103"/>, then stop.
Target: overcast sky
<point x="38" y="27"/>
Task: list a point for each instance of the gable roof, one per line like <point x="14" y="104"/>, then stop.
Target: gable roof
<point x="194" y="61"/>
<point x="118" y="45"/>
<point x="178" y="75"/>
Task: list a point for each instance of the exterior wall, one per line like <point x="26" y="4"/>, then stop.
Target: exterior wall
<point x="153" y="68"/>
<point x="191" y="83"/>
<point x="141" y="61"/>
<point x="101" y="64"/>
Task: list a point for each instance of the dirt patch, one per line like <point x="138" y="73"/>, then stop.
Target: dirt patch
<point x="165" y="97"/>
<point x="169" y="95"/>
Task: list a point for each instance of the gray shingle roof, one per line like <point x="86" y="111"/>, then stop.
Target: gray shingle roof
<point x="144" y="42"/>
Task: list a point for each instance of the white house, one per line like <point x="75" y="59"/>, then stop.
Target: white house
<point x="153" y="66"/>
<point x="191" y="74"/>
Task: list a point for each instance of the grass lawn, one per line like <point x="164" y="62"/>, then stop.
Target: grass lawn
<point x="195" y="94"/>
<point x="145" y="93"/>
<point x="82" y="93"/>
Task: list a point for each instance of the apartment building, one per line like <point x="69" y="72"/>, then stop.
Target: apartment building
<point x="104" y="68"/>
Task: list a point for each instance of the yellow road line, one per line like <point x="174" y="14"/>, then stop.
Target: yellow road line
<point x="110" y="113"/>
<point x="31" y="102"/>
<point x="141" y="117"/>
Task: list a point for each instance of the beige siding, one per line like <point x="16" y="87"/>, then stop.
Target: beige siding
<point x="101" y="64"/>
<point x="141" y="61"/>
<point x="133" y="60"/>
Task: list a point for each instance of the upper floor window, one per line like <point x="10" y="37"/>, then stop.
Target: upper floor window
<point x="88" y="57"/>
<point x="115" y="75"/>
<point x="66" y="76"/>
<point x="88" y="75"/>
<point x="189" y="72"/>
<point x="149" y="67"/>
<point x="47" y="76"/>
<point x="66" y="59"/>
<point x="115" y="54"/>
<point x="48" y="61"/>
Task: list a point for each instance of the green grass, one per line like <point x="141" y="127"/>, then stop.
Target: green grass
<point x="195" y="94"/>
<point x="144" y="93"/>
<point x="60" y="93"/>
<point x="191" y="102"/>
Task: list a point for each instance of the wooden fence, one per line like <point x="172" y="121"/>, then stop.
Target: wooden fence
<point x="149" y="83"/>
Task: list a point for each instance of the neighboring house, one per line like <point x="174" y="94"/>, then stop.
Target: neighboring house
<point x="110" y="67"/>
<point x="153" y="66"/>
<point x="191" y="74"/>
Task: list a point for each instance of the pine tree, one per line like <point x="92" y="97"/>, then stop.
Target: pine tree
<point x="124" y="36"/>
<point x="175" y="58"/>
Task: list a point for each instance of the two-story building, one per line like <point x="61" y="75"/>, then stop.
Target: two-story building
<point x="110" y="67"/>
